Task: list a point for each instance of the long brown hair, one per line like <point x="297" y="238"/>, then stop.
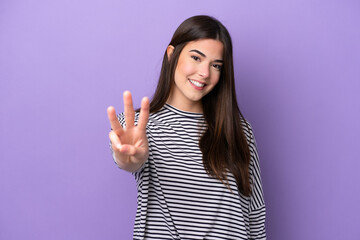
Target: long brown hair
<point x="224" y="145"/>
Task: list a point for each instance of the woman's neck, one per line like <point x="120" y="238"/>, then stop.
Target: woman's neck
<point x="186" y="106"/>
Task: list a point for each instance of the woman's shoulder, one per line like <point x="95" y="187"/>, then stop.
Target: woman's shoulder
<point x="247" y="129"/>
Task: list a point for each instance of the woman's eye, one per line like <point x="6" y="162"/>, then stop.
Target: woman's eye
<point x="195" y="58"/>
<point x="217" y="66"/>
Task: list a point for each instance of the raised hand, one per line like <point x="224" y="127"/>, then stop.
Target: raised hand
<point x="130" y="144"/>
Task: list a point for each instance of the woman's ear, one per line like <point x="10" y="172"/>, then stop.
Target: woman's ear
<point x="169" y="51"/>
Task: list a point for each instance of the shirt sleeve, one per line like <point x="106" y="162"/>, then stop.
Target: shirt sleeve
<point x="257" y="209"/>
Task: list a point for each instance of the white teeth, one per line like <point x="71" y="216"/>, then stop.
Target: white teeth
<point x="197" y="83"/>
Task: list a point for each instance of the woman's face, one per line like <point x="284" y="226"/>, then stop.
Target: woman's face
<point x="197" y="72"/>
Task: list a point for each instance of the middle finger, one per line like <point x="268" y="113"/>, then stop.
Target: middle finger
<point x="129" y="110"/>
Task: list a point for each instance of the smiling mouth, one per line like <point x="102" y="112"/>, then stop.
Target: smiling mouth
<point x="197" y="84"/>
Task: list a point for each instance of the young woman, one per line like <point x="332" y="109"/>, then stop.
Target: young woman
<point x="191" y="151"/>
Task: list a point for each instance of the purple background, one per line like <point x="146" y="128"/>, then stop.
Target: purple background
<point x="63" y="62"/>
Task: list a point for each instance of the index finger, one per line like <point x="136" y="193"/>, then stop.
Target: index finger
<point x="144" y="113"/>
<point x="114" y="122"/>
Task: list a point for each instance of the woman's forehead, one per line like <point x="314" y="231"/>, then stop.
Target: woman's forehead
<point x="209" y="47"/>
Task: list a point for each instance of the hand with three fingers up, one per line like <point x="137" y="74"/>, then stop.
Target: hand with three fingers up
<point x="130" y="143"/>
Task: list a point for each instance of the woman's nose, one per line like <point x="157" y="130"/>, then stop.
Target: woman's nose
<point x="204" y="71"/>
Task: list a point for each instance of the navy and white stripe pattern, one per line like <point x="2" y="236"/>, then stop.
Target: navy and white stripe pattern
<point x="177" y="199"/>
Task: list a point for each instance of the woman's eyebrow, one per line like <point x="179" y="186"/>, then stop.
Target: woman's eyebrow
<point x="202" y="54"/>
<point x="197" y="51"/>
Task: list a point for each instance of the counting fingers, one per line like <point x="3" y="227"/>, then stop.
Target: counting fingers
<point x="144" y="114"/>
<point x="115" y="141"/>
<point x="128" y="109"/>
<point x="114" y="122"/>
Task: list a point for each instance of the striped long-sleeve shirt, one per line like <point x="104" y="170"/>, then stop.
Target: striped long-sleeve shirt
<point x="177" y="199"/>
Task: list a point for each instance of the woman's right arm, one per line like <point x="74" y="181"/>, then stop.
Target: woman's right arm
<point x="129" y="143"/>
